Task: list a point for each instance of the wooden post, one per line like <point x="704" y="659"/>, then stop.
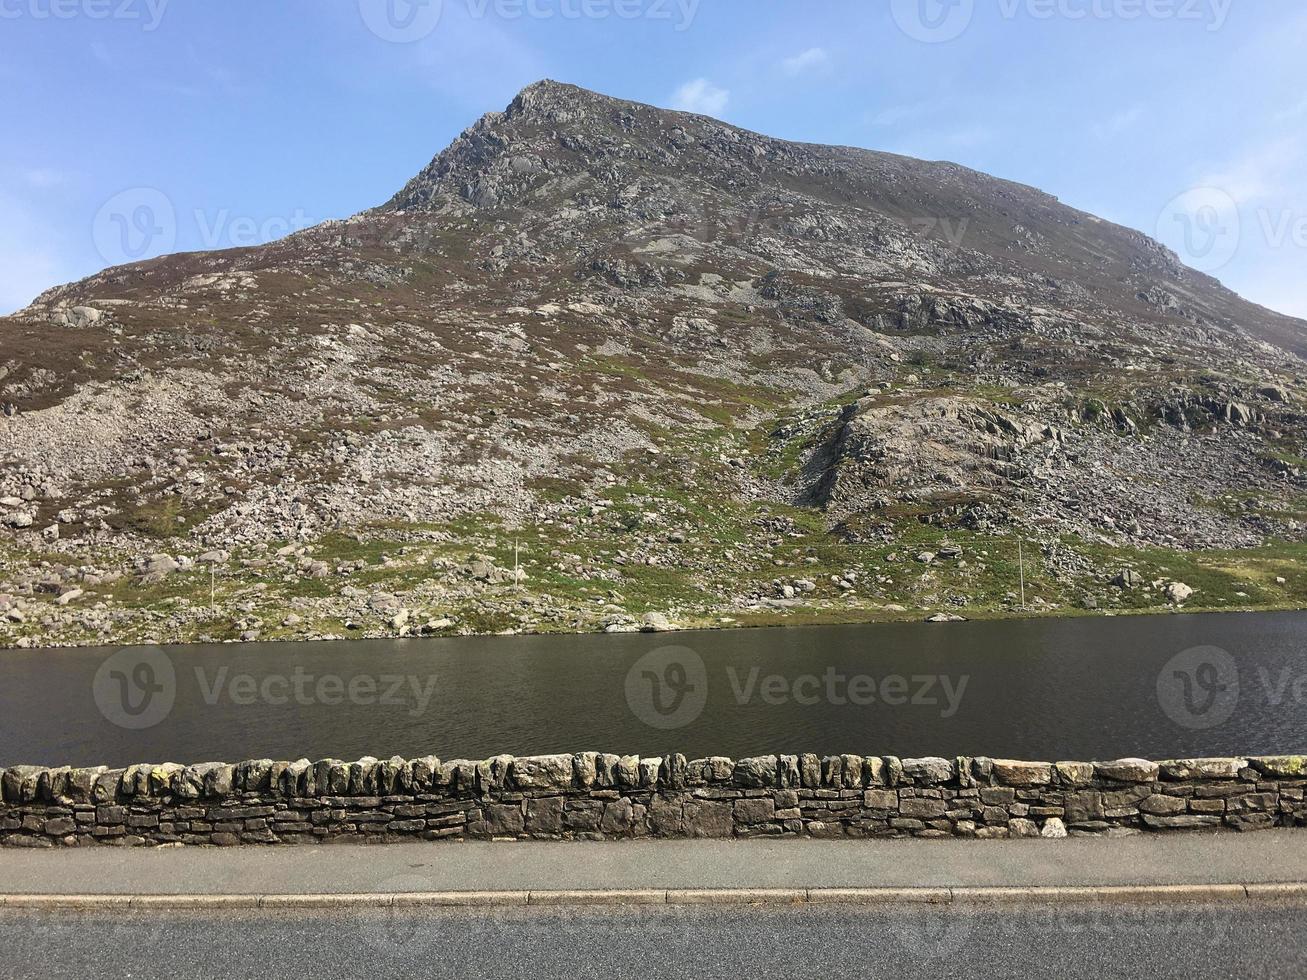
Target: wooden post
<point x="1021" y="563"/>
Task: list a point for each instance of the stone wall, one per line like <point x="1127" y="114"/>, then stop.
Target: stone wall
<point x="596" y="796"/>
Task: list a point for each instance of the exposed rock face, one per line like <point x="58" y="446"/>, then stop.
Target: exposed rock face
<point x="923" y="448"/>
<point x="579" y="289"/>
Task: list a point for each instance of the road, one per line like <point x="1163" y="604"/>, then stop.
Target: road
<point x="1248" y="934"/>
<point x="1090" y="941"/>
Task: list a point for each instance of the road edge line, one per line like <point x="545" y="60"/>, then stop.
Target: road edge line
<point x="1014" y="895"/>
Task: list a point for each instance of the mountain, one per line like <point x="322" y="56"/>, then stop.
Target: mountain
<point x="670" y="367"/>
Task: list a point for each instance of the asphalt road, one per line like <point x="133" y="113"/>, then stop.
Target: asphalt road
<point x="1091" y="941"/>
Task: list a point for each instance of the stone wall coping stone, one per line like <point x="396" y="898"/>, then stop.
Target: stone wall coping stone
<point x="370" y="776"/>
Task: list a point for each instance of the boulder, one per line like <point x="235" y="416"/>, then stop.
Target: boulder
<point x="1178" y="592"/>
<point x="81" y="316"/>
<point x="482" y="569"/>
<point x="1237" y="413"/>
<point x="157" y="566"/>
<point x="655" y="622"/>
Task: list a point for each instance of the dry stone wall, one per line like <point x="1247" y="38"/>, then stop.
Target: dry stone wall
<point x="594" y="795"/>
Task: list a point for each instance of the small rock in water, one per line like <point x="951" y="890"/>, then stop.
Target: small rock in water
<point x="655" y="622"/>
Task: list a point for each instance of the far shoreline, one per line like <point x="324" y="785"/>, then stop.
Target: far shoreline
<point x="811" y="623"/>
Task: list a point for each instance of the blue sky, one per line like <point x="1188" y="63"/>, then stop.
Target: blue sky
<point x="135" y="126"/>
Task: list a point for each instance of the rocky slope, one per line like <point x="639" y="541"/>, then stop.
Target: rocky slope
<point x="696" y="371"/>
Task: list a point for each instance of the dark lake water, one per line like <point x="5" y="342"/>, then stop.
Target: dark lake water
<point x="1091" y="688"/>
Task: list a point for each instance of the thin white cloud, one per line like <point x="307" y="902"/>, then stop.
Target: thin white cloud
<point x="1118" y="123"/>
<point x="475" y="61"/>
<point x="701" y="96"/>
<point x="43" y="178"/>
<point x="100" y="51"/>
<point x="1269" y="171"/>
<point x="222" y="78"/>
<point x="895" y="114"/>
<point x="1291" y="112"/>
<point x="799" y="63"/>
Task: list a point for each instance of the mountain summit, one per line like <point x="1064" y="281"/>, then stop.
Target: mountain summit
<point x="702" y="370"/>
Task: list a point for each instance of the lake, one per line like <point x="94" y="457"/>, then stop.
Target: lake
<point x="1085" y="688"/>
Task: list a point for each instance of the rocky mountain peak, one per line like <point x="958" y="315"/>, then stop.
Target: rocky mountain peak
<point x="546" y="97"/>
<point x="603" y="317"/>
<point x="499" y="148"/>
